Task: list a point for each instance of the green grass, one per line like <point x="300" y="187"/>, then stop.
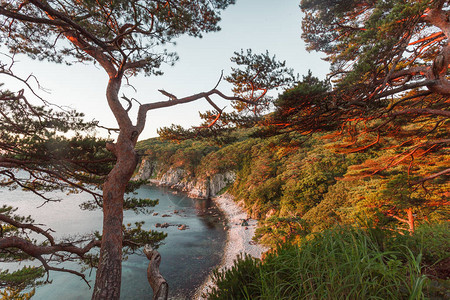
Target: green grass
<point x="342" y="263"/>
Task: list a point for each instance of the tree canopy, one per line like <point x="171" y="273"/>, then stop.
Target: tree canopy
<point x="120" y="32"/>
<point x="389" y="80"/>
<point x="380" y="48"/>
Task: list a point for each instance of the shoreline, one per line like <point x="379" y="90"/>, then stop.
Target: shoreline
<point x="239" y="239"/>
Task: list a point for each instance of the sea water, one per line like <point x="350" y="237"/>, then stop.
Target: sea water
<point x="188" y="256"/>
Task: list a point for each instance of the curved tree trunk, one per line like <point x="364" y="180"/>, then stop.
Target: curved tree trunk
<point x="159" y="285"/>
<point x="108" y="278"/>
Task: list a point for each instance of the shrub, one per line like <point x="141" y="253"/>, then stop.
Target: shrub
<point x="238" y="282"/>
<point x="340" y="263"/>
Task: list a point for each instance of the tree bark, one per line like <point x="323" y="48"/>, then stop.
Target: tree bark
<point x="108" y="278"/>
<point x="159" y="285"/>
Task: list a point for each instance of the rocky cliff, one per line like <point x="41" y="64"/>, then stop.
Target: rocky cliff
<point x="177" y="178"/>
<point x="146" y="170"/>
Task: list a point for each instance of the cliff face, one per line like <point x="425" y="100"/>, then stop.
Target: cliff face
<point x="146" y="170"/>
<point x="212" y="185"/>
<point x="178" y="178"/>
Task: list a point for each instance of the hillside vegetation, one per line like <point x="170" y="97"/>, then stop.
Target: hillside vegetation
<point x="345" y="263"/>
<point x="296" y="185"/>
<point x="345" y="217"/>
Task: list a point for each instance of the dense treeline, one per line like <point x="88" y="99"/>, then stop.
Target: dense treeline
<point x="368" y="143"/>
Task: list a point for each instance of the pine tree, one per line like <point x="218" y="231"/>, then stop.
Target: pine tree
<point x="121" y="37"/>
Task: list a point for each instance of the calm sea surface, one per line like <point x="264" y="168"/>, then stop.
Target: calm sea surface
<point x="187" y="256"/>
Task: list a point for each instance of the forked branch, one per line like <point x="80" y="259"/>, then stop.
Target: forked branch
<point x="143" y="109"/>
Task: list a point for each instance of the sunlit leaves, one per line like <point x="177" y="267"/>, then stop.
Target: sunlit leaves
<point x="300" y="107"/>
<point x="367" y="42"/>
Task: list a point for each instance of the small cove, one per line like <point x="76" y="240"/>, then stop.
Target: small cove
<point x="188" y="256"/>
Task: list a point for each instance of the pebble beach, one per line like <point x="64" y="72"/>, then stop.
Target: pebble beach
<point x="239" y="238"/>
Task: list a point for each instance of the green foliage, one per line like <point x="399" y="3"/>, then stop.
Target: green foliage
<point x="185" y="154"/>
<point x="133" y="29"/>
<point x="340" y="263"/>
<point x="297" y="184"/>
<point x="219" y="130"/>
<point x="333" y="209"/>
<point x="432" y="241"/>
<point x="308" y="177"/>
<point x="361" y="37"/>
<point x="137" y="204"/>
<point x="27" y="276"/>
<point x="237" y="282"/>
<point x="262" y="73"/>
<point x="12" y="284"/>
<point x="136" y="237"/>
<point x="277" y="230"/>
<point x="21" y="117"/>
<point x="34" y="139"/>
<point x="400" y="192"/>
<point x="296" y="107"/>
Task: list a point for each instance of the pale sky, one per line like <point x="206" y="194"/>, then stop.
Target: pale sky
<point x="261" y="25"/>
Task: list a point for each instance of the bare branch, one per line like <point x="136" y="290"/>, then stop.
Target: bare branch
<point x="213" y="104"/>
<point x="47" y="267"/>
<point x="26" y="18"/>
<point x="109" y="129"/>
<point x="35" y="250"/>
<point x="135" y="64"/>
<point x="130" y="104"/>
<point x="218" y="82"/>
<point x="428" y="82"/>
<point x="171" y="96"/>
<point x="423" y="111"/>
<point x="32" y="227"/>
<point x="435" y="175"/>
<point x="143" y="109"/>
